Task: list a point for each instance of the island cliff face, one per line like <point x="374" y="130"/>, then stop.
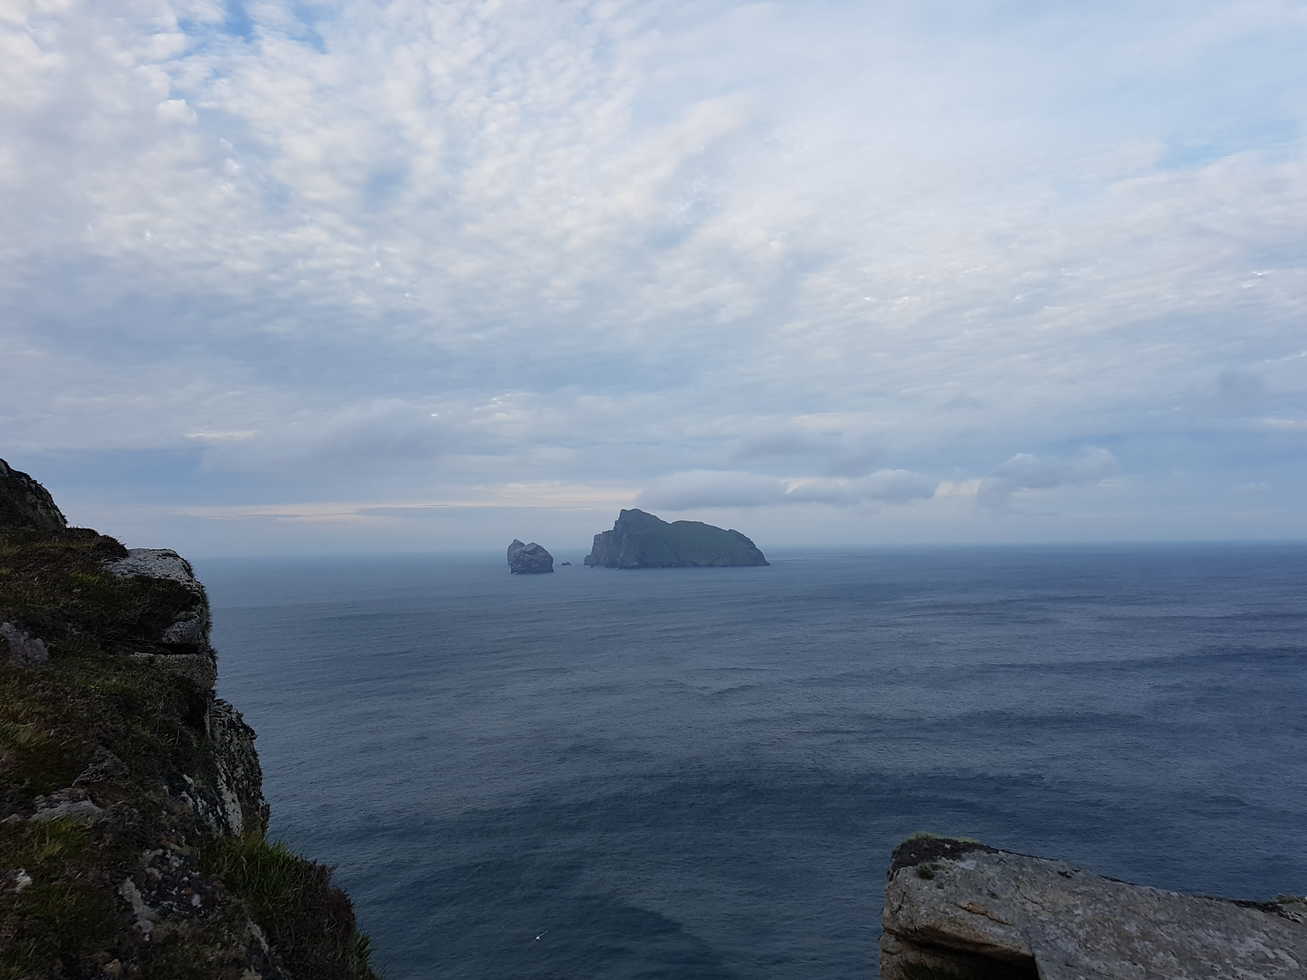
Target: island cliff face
<point x="131" y="804"/>
<point x="529" y="559"/>
<point x="958" y="910"/>
<point x="641" y="540"/>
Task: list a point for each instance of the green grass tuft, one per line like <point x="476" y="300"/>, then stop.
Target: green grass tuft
<point x="305" y="917"/>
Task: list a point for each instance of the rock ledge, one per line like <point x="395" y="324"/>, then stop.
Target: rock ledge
<point x="963" y="911"/>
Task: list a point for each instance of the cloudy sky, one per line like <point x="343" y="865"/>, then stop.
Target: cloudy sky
<point x="421" y="274"/>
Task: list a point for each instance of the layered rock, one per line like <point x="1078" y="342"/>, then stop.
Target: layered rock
<point x="641" y="540"/>
<point x="529" y="559"/>
<point x="963" y="911"/>
<point x="131" y="805"/>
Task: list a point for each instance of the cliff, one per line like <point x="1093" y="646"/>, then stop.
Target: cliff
<point x="958" y="910"/>
<point x="132" y="816"/>
<point x="641" y="540"/>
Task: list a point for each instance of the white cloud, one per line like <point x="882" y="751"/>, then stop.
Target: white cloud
<point x="711" y="489"/>
<point x="1026" y="471"/>
<point x="623" y="242"/>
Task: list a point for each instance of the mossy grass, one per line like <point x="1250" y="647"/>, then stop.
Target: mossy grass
<point x="293" y="900"/>
<point x="52" y="722"/>
<point x="63" y="909"/>
<point x="55" y="585"/>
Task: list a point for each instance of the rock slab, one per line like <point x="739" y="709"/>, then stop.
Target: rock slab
<point x="529" y="559"/>
<point x="961" y="910"/>
<point x="641" y="540"/>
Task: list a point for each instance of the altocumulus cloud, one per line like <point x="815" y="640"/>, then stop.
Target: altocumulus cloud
<point x="1026" y="471"/>
<point x="730" y="489"/>
<point x="736" y="254"/>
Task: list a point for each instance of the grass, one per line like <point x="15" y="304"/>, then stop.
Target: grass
<point x="68" y="907"/>
<point x="309" y="920"/>
<point x="56" y="587"/>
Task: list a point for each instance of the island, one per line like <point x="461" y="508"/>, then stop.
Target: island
<point x="529" y="559"/>
<point x="641" y="540"/>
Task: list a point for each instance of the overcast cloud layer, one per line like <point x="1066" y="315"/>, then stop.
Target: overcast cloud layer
<point x="366" y="276"/>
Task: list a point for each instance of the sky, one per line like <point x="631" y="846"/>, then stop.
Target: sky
<point x="419" y="275"/>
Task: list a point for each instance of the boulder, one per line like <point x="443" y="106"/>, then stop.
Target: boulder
<point x="641" y="540"/>
<point x="529" y="559"/>
<point x="24" y="503"/>
<point x="961" y="910"/>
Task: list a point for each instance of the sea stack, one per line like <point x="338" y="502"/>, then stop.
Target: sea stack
<point x="641" y="540"/>
<point x="529" y="559"/>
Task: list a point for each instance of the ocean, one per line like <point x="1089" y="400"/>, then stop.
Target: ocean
<point x="700" y="773"/>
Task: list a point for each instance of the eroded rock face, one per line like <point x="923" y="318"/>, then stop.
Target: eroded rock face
<point x="964" y="911"/>
<point x="24" y="503"/>
<point x="131" y="797"/>
<point x="529" y="559"/>
<point x="641" y="540"/>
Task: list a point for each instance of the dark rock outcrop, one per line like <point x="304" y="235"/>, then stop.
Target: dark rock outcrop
<point x="131" y="803"/>
<point x="641" y="540"/>
<point x="24" y="503"/>
<point x="529" y="559"/>
<point x="961" y="910"/>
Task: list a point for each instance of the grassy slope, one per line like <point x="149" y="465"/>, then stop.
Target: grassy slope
<point x="89" y="700"/>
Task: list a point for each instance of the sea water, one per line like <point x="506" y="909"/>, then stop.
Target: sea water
<point x="702" y="772"/>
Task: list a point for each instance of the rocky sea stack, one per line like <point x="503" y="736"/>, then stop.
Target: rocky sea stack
<point x="641" y="540"/>
<point x="529" y="559"/>
<point x="132" y="815"/>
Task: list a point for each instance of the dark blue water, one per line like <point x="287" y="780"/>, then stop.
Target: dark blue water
<point x="701" y="772"/>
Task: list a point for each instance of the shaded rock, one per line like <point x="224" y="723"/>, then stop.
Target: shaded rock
<point x="641" y="540"/>
<point x="529" y="559"/>
<point x="240" y="777"/>
<point x="72" y="804"/>
<point x="20" y="648"/>
<point x="24" y="503"/>
<point x="962" y="910"/>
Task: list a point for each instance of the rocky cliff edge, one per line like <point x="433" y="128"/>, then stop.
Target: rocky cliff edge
<point x="132" y="816"/>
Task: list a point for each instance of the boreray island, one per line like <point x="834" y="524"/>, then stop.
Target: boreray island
<point x="640" y="540"/>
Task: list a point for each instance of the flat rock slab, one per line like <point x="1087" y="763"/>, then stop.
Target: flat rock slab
<point x="959" y="909"/>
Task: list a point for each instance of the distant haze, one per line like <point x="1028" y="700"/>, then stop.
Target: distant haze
<point x="304" y="277"/>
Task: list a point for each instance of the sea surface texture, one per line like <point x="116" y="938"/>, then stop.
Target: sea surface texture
<point x="701" y="772"/>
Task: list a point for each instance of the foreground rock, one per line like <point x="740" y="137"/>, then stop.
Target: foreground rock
<point x="529" y="559"/>
<point x="131" y="803"/>
<point x="964" y="911"/>
<point x="641" y="540"/>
